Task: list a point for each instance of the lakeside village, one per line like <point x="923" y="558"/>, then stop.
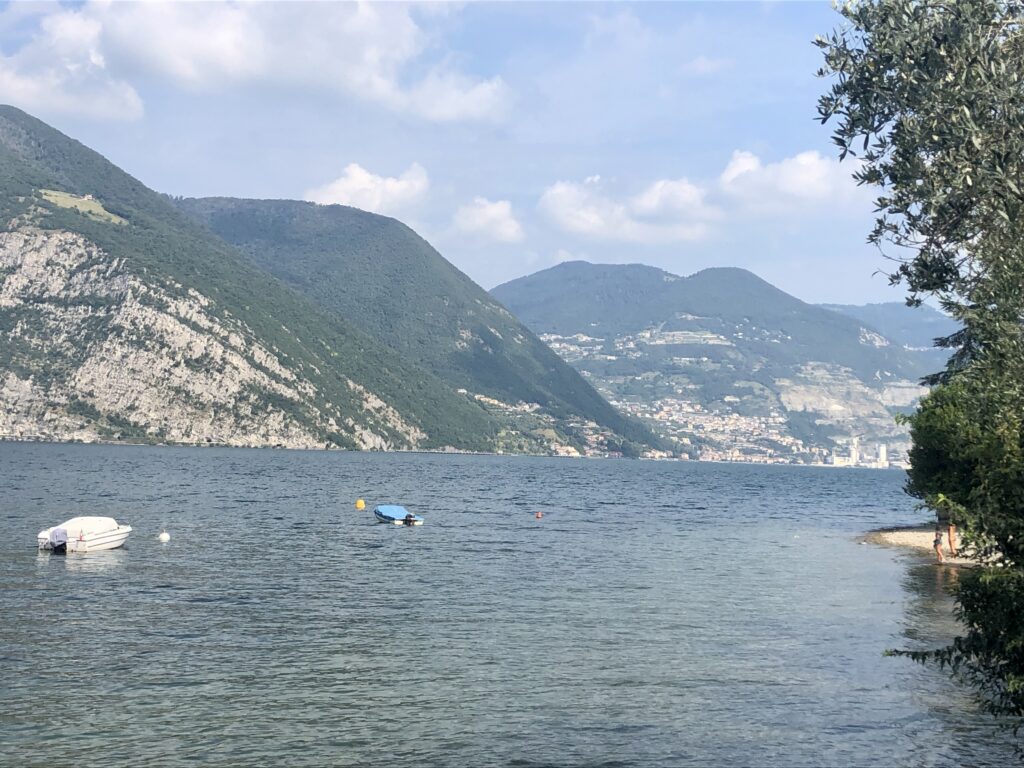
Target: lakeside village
<point x="751" y="428"/>
<point x="755" y="439"/>
<point x="596" y="441"/>
<point x="744" y="438"/>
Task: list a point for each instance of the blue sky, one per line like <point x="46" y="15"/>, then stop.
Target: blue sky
<point x="512" y="136"/>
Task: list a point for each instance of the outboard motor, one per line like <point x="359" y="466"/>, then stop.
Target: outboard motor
<point x="58" y="541"/>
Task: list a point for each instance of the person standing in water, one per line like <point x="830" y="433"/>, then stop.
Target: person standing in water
<point x="946" y="519"/>
<point x="937" y="544"/>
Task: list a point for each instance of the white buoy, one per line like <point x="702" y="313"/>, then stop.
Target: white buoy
<point x="164" y="536"/>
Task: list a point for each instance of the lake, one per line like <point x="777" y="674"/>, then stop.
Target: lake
<point x="660" y="614"/>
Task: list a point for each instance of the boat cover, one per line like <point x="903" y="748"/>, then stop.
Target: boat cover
<point x="394" y="511"/>
<point x="58" y="536"/>
<point x="89" y="526"/>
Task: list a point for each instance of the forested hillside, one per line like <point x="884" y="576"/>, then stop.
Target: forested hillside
<point x="122" y="318"/>
<point x="381" y="276"/>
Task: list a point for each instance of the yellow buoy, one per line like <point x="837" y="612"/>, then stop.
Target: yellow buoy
<point x="360" y="504"/>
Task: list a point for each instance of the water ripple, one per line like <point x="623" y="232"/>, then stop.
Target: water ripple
<point x="659" y="614"/>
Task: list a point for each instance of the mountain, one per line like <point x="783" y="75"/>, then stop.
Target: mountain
<point x="721" y="359"/>
<point x="382" y="277"/>
<point x="120" y="318"/>
<point x="612" y="300"/>
<point x="123" y="318"/>
<point x="913" y="327"/>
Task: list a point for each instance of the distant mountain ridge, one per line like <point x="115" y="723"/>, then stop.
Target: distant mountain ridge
<point x="605" y="299"/>
<point x="717" y="357"/>
<point x="914" y="327"/>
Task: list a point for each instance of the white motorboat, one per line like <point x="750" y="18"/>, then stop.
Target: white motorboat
<point x="84" y="534"/>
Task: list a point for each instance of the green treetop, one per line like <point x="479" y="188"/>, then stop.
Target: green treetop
<point x="928" y="98"/>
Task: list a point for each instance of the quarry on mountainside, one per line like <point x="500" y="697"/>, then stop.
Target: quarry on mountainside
<point x="725" y="363"/>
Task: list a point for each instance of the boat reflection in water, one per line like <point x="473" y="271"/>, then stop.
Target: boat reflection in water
<point x="107" y="561"/>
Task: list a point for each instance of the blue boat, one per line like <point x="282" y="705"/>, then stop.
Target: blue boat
<point x="396" y="514"/>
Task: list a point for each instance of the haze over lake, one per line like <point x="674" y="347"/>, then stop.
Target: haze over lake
<point x="659" y="614"/>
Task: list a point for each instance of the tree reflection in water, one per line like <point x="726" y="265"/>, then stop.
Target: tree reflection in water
<point x="930" y="622"/>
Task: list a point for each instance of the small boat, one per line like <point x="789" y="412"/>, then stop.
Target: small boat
<point x="84" y="534"/>
<point x="398" y="515"/>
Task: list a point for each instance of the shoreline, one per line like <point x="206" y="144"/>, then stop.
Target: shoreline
<point x="917" y="538"/>
<point x="149" y="444"/>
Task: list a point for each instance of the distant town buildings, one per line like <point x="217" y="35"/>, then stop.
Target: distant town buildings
<point x="854" y="457"/>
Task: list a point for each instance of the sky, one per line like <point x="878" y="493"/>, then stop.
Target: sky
<point x="512" y="136"/>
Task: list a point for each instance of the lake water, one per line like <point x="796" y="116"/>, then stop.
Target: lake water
<point x="659" y="614"/>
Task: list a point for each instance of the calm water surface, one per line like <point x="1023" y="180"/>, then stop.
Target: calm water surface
<point x="659" y="614"/>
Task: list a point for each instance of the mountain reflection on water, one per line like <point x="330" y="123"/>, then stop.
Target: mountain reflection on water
<point x="659" y="614"/>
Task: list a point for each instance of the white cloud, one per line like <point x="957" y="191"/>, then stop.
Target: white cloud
<point x="62" y="69"/>
<point x="195" y="44"/>
<point x="669" y="199"/>
<point x="492" y="220"/>
<point x="669" y="210"/>
<point x="704" y="65"/>
<point x="739" y="164"/>
<point x="373" y="51"/>
<point x="445" y="96"/>
<point x="806" y="180"/>
<point x="673" y="210"/>
<point x="360" y="188"/>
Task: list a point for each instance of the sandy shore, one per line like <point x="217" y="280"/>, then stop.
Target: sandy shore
<point x="918" y="538"/>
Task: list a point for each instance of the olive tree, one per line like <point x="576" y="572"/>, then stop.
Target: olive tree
<point x="927" y="98"/>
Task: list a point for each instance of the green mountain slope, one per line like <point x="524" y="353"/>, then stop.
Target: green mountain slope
<point x="603" y="299"/>
<point x="381" y="276"/>
<point x="914" y="327"/>
<point x="720" y="356"/>
<point x="121" y="317"/>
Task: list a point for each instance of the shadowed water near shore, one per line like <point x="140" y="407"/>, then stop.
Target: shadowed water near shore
<point x="659" y="614"/>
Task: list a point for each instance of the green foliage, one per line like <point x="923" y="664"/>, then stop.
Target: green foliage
<point x="609" y="301"/>
<point x="930" y="97"/>
<point x="383" y="278"/>
<point x="78" y="407"/>
<point x="167" y="249"/>
<point x="803" y="426"/>
<point x="944" y="438"/>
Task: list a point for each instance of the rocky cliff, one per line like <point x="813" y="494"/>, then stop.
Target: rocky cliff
<point x="92" y="352"/>
<point x="122" y="319"/>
